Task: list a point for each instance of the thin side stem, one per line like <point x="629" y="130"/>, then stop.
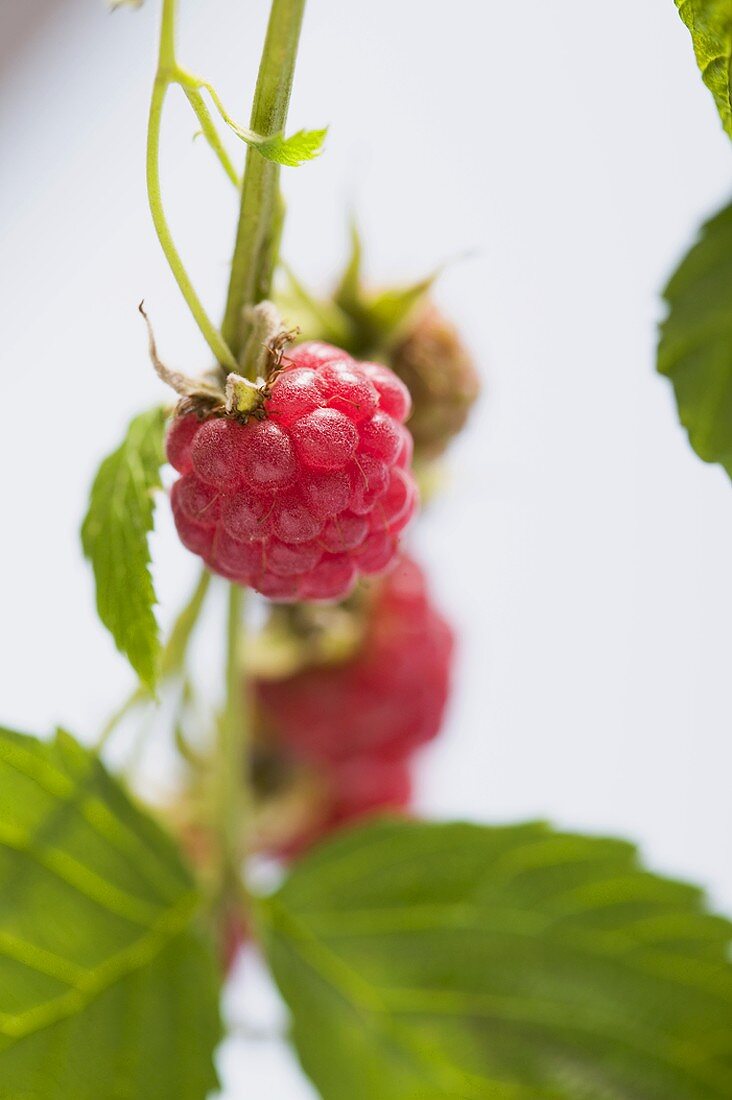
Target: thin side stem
<point x="211" y="134"/>
<point x="260" y="202"/>
<point x="171" y="660"/>
<point x="163" y="78"/>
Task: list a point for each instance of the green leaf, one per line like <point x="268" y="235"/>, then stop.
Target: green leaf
<point x="291" y="151"/>
<point x="107" y="989"/>
<point x="710" y="24"/>
<point x="114" y="536"/>
<point x="695" y="347"/>
<point x="427" y="962"/>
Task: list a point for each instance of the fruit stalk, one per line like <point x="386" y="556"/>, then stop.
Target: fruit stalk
<point x="260" y="214"/>
<point x="257" y="241"/>
<point x="231" y="791"/>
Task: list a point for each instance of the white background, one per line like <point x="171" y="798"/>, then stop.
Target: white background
<point x="582" y="550"/>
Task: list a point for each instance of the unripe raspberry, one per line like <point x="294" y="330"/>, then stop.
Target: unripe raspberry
<point x="384" y="702"/>
<point x="441" y="377"/>
<point x="308" y="493"/>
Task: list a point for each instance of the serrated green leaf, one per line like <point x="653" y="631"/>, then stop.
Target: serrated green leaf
<point x="291" y="151"/>
<point x="516" y="963"/>
<point x="107" y="988"/>
<point x="695" y="346"/>
<point x="114" y="537"/>
<point x="710" y="25"/>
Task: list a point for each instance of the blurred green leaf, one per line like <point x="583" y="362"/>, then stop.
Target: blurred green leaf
<point x="114" y="537"/>
<point x="427" y="962"/>
<point x="695" y="347"/>
<point x="710" y="25"/>
<point x="107" y="989"/>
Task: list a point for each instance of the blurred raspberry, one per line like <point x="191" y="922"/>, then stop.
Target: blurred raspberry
<point x="309" y="494"/>
<point x="384" y="702"/>
<point x="315" y="802"/>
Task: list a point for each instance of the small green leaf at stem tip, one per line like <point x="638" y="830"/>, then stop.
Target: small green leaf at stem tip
<point x="710" y="25"/>
<point x="695" y="346"/>
<point x="114" y="538"/>
<point x="109" y="988"/>
<point x="294" y="150"/>
<point x="465" y="962"/>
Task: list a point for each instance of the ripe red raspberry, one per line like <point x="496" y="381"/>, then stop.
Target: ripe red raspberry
<point x="385" y="701"/>
<point x="308" y="494"/>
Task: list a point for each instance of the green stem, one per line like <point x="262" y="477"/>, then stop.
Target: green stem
<point x="251" y="266"/>
<point x="165" y="75"/>
<point x="232" y="797"/>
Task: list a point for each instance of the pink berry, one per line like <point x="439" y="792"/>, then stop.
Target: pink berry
<point x="397" y="503"/>
<point x="314" y="354"/>
<point x="377" y="708"/>
<point x="333" y="578"/>
<point x="326" y="493"/>
<point x="198" y="501"/>
<point x="293" y="521"/>
<point x="305" y="495"/>
<point x="348" y="389"/>
<point x="375" y="552"/>
<point x="235" y="557"/>
<point x="179" y="442"/>
<point x="294" y="394"/>
<point x="247" y="515"/>
<point x="394" y="397"/>
<point x="281" y="589"/>
<point x="344" y="532"/>
<point x="366" y="785"/>
<point x="218" y="453"/>
<point x="370" y="479"/>
<point x="406" y="450"/>
<point x="194" y="536"/>
<point x="325" y="439"/>
<point x="292" y="559"/>
<point x="380" y="438"/>
<point x="268" y="459"/>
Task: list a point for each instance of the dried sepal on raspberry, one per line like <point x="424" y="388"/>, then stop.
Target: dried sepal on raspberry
<point x="298" y="484"/>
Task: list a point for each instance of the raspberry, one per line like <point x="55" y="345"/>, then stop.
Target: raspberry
<point x="385" y="701"/>
<point x="394" y="396"/>
<point x="365" y="786"/>
<point x="180" y="441"/>
<point x="308" y="493"/>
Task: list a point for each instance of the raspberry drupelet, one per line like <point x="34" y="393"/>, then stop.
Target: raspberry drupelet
<point x="308" y="493"/>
